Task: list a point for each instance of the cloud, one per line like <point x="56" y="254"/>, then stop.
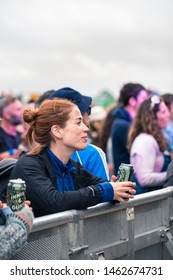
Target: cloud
<point x="90" y="45"/>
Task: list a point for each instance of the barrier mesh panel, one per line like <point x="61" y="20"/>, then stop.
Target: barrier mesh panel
<point x="104" y="229"/>
<point x="48" y="244"/>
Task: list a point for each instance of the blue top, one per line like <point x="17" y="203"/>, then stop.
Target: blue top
<point x="64" y="178"/>
<point x="93" y="160"/>
<point x="65" y="181"/>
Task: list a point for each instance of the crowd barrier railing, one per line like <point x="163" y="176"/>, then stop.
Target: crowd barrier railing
<point x="140" y="229"/>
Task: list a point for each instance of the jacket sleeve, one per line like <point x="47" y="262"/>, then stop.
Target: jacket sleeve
<point x="13" y="238"/>
<point x="43" y="194"/>
<point x="14" y="234"/>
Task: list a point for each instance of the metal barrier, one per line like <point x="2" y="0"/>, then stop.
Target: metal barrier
<point x="141" y="229"/>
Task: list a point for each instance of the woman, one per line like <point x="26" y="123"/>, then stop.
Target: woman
<point x="54" y="182"/>
<point x="148" y="146"/>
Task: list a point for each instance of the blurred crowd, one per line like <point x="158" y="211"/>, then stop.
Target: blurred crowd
<point x="68" y="150"/>
<point x="137" y="130"/>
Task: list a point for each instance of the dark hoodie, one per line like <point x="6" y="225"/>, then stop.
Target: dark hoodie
<point x="119" y="134"/>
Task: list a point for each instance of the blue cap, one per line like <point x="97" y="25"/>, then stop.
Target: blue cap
<point x="83" y="102"/>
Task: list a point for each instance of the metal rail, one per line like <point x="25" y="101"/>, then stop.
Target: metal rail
<point x="140" y="229"/>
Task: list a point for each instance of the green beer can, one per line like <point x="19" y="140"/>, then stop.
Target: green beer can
<point x="125" y="172"/>
<point x="16" y="191"/>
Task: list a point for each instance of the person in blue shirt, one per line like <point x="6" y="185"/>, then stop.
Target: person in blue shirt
<point x="94" y="160"/>
<point x="54" y="181"/>
<point x="92" y="157"/>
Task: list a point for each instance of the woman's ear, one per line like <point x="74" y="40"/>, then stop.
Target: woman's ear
<point x="56" y="131"/>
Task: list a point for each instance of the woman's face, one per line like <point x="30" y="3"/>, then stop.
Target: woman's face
<point x="75" y="133"/>
<point x="163" y="115"/>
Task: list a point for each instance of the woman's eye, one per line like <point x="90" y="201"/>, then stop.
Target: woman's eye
<point x="79" y="122"/>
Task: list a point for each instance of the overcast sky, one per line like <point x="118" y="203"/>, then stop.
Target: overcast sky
<point x="90" y="45"/>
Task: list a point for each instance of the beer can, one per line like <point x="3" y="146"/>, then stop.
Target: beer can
<point x="16" y="191"/>
<point x="125" y="172"/>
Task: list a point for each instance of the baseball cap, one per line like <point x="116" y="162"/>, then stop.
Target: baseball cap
<point x="83" y="102"/>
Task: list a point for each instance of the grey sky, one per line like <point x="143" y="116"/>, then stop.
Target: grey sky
<point x="89" y="45"/>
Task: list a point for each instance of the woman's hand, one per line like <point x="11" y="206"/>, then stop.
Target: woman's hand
<point x="123" y="191"/>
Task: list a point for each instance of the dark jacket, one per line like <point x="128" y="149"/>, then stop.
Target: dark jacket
<point x="42" y="190"/>
<point x="169" y="176"/>
<point x="119" y="134"/>
<point x="6" y="166"/>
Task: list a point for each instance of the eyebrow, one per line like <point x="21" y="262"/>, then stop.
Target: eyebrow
<point x="78" y="119"/>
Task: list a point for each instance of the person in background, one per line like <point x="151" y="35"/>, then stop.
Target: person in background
<point x="14" y="230"/>
<point x="44" y="96"/>
<point x="98" y="114"/>
<point x="168" y="131"/>
<point x="22" y="128"/>
<point x="147" y="145"/>
<point x="105" y="141"/>
<point x="11" y="112"/>
<point x="92" y="157"/>
<point x="54" y="182"/>
<point x="169" y="176"/>
<point x="130" y="98"/>
<point x="30" y="104"/>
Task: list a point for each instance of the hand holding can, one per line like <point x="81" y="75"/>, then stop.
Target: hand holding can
<point x="124" y="191"/>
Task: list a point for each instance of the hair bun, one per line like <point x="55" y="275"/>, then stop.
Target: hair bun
<point x="29" y="115"/>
